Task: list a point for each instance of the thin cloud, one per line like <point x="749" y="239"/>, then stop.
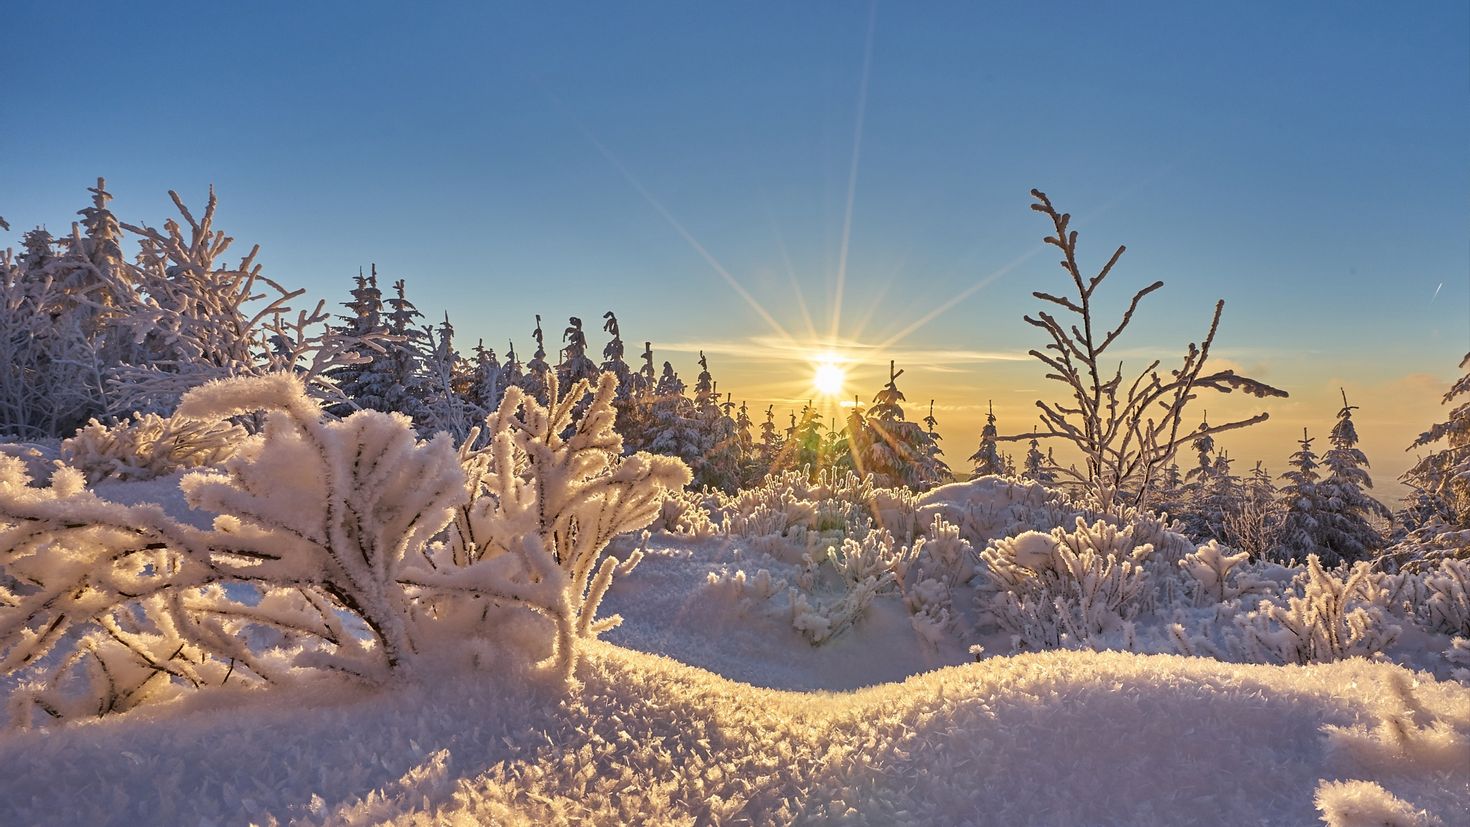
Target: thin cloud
<point x="765" y="349"/>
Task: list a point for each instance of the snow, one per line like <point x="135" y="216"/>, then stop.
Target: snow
<point x="1048" y="738"/>
<point x="709" y="706"/>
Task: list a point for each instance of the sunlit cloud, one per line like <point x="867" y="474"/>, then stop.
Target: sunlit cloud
<point x="771" y="349"/>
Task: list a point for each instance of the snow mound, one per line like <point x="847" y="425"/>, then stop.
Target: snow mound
<point x="1054" y="738"/>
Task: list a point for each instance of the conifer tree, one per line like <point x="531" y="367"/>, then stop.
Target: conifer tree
<point x="898" y="452"/>
<point x="805" y="444"/>
<point x="1301" y="503"/>
<point x="534" y="381"/>
<point x="486" y="377"/>
<point x="1037" y="467"/>
<point x="932" y="450"/>
<point x="364" y="317"/>
<point x="770" y="444"/>
<point x="395" y="380"/>
<point x="1346" y="506"/>
<point x="574" y="362"/>
<point x="612" y="356"/>
<point x="674" y="429"/>
<point x="986" y="459"/>
<point x="1444" y="473"/>
<point x="448" y="386"/>
<point x="512" y="373"/>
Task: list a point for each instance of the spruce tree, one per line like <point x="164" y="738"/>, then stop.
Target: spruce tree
<point x="534" y="381"/>
<point x="986" y="459"/>
<point x="1036" y="467"/>
<point x="1347" y="508"/>
<point x="574" y="362"/>
<point x="612" y="356"/>
<point x="1444" y="473"/>
<point x="364" y="317"/>
<point x="674" y="431"/>
<point x="449" y="382"/>
<point x="899" y="452"/>
<point x="1301" y="502"/>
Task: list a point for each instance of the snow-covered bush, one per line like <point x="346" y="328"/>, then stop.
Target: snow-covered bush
<point x="1218" y="575"/>
<point x="1445" y="605"/>
<point x="149" y="446"/>
<point x="1324" y="618"/>
<point x="545" y="496"/>
<point x="324" y="555"/>
<point x="1065" y="588"/>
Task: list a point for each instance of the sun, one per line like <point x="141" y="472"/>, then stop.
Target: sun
<point x="829" y="377"/>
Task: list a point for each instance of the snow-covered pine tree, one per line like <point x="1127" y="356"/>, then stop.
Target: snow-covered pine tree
<point x="1301" y="526"/>
<point x="487" y="381"/>
<point x="804" y="448"/>
<point x="674" y="429"/>
<point x="364" y="317"/>
<point x="986" y="459"/>
<point x="899" y="452"/>
<point x="534" y="381"/>
<point x="612" y="356"/>
<point x="719" y="465"/>
<point x="448" y="384"/>
<point x="751" y="469"/>
<point x="724" y="460"/>
<point x="1445" y="471"/>
<point x="933" y="451"/>
<point x="395" y="380"/>
<point x="849" y="451"/>
<point x="1223" y="494"/>
<point x="513" y="373"/>
<point x="1036" y="467"/>
<point x="575" y="365"/>
<point x="1347" y="508"/>
<point x="1198" y="480"/>
<point x="770" y="445"/>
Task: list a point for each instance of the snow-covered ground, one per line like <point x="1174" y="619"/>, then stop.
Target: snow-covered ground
<point x="1064" y="738"/>
<point x="708" y="706"/>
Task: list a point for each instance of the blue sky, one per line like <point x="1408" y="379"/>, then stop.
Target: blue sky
<point x="1306" y="162"/>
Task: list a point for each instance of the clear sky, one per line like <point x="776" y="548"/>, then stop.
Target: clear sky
<point x="1306" y="162"/>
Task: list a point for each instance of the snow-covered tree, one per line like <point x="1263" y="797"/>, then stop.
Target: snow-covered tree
<point x="448" y="384"/>
<point x="1345" y="530"/>
<point x="1301" y="500"/>
<point x="612" y="356"/>
<point x="933" y="451"/>
<point x="892" y="449"/>
<point x="1444" y="472"/>
<point x="534" y="380"/>
<point x="986" y="459"/>
<point x="487" y="381"/>
<point x="1037" y="467"/>
<point x="364" y="318"/>
<point x="674" y="427"/>
<point x="1127" y="430"/>
<point x="575" y="365"/>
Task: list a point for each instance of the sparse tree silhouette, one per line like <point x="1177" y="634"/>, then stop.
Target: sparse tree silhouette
<point x="1126" y="434"/>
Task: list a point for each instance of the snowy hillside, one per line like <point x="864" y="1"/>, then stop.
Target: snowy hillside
<point x="1058" y="738"/>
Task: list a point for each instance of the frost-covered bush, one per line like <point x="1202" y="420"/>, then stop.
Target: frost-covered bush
<point x="789" y="503"/>
<point x="993" y="507"/>
<point x="324" y="557"/>
<point x="149" y="446"/>
<point x="1445" y="605"/>
<point x="1065" y="588"/>
<point x="1324" y="618"/>
<point x="1218" y="575"/>
<point x="545" y="497"/>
